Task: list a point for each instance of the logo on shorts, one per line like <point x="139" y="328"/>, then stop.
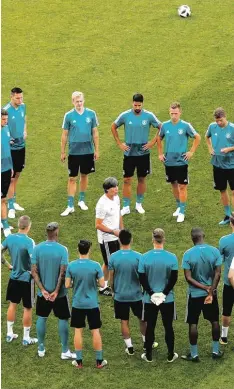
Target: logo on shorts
<point x="185" y="180"/>
<point x="180" y="131"/>
<point x="144" y="122"/>
<point x="92" y="169"/>
<point x="69" y="171"/>
<point x="88" y="120"/>
<point x="228" y="135"/>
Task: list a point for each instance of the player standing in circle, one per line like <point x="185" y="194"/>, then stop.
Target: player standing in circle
<point x="108" y="224"/>
<point x="18" y="131"/>
<point x="80" y="130"/>
<point x="136" y="147"/>
<point x="175" y="157"/>
<point x="226" y="248"/>
<point x="220" y="141"/>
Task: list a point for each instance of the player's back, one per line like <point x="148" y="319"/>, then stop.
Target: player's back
<point x="226" y="247"/>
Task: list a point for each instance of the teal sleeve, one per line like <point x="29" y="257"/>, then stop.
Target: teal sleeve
<point x="31" y="248"/>
<point x="4" y="244"/>
<point x="191" y="132"/>
<point x="99" y="272"/>
<point x="218" y="261"/>
<point x="64" y="260"/>
<point x="208" y="132"/>
<point x="175" y="264"/>
<point x="162" y="132"/>
<point x="34" y="256"/>
<point x="185" y="263"/>
<point x="66" y="123"/>
<point x="94" y="121"/>
<point x="221" y="248"/>
<point x="120" y="120"/>
<point x="68" y="272"/>
<point x="24" y="110"/>
<point x="154" y="121"/>
<point x="141" y="266"/>
<point x="110" y="264"/>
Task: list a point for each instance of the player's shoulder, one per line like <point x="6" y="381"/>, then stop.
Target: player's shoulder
<point x="90" y="111"/>
<point x="136" y="253"/>
<point x="231" y="124"/>
<point x="101" y="201"/>
<point x="7" y="106"/>
<point x="95" y="264"/>
<point x="125" y="113"/>
<point x="166" y="123"/>
<point x="170" y="255"/>
<point x="150" y="113"/>
<point x="226" y="238"/>
<point x="69" y="113"/>
<point x="212" y="125"/>
<point x="189" y="251"/>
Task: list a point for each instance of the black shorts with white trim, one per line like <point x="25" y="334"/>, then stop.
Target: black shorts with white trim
<point x="108" y="248"/>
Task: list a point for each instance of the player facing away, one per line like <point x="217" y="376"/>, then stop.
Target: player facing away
<point x="158" y="270"/>
<point x="231" y="274"/>
<point x="136" y="147"/>
<point x="202" y="269"/>
<point x="108" y="224"/>
<point x="82" y="276"/>
<point x="18" y="131"/>
<point x="6" y="170"/>
<point x="21" y="284"/>
<point x="226" y="248"/>
<point x="80" y="129"/>
<point x="220" y="142"/>
<point x="49" y="263"/>
<point x="175" y="133"/>
<point x="126" y="287"/>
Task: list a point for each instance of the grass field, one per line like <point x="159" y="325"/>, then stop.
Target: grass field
<point x="109" y="50"/>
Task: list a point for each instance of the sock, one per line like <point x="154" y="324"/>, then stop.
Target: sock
<point x="70" y="201"/>
<point x="10" y="327"/>
<point x="41" y="347"/>
<point x="224" y="332"/>
<point x="177" y="203"/>
<point x="41" y="330"/>
<point x="227" y="210"/>
<point x="27" y="332"/>
<point x="143" y="338"/>
<point x="79" y="355"/>
<point x="105" y="286"/>
<point x="193" y="350"/>
<point x="63" y="333"/>
<point x="126" y="202"/>
<point x="140" y="198"/>
<point x="99" y="355"/>
<point x="182" y="208"/>
<point x="5" y="223"/>
<point x="128" y="342"/>
<point x="11" y="203"/>
<point x="81" y="196"/>
<point x="215" y="347"/>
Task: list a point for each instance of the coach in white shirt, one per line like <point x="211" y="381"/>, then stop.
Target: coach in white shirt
<point x="108" y="224"/>
<point x="231" y="273"/>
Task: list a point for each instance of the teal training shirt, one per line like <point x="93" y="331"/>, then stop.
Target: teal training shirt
<point x="20" y="247"/>
<point x="157" y="265"/>
<point x="137" y="129"/>
<point x="6" y="161"/>
<point x="49" y="256"/>
<point x="221" y="138"/>
<point x="126" y="279"/>
<point x="176" y="141"/>
<point x="226" y="248"/>
<point x="80" y="131"/>
<point x="202" y="259"/>
<point x="84" y="274"/>
<point x="16" y="123"/>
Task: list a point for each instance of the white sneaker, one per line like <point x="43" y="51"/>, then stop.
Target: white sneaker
<point x="67" y="211"/>
<point x="176" y="213"/>
<point x="18" y="207"/>
<point x="82" y="205"/>
<point x="101" y="365"/>
<point x="6" y="232"/>
<point x="11" y="337"/>
<point x="11" y="213"/>
<point x="144" y="357"/>
<point x="11" y="228"/>
<point x="68" y="355"/>
<point x="180" y="218"/>
<point x="41" y="354"/>
<point x="139" y="208"/>
<point x="29" y="341"/>
<point x="125" y="211"/>
<point x="171" y="360"/>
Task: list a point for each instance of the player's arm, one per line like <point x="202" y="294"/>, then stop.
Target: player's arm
<point x="35" y="275"/>
<point x="68" y="282"/>
<point x="226" y="150"/>
<point x="60" y="281"/>
<point x="159" y="142"/>
<point x="63" y="144"/>
<point x="231" y="273"/>
<point x="122" y="146"/>
<point x="145" y="283"/>
<point x="152" y="142"/>
<point x="3" y="259"/>
<point x="121" y="224"/>
<point x="171" y="282"/>
<point x="96" y="143"/>
<point x="209" y="143"/>
<point x="192" y="281"/>
<point x="100" y="226"/>
<point x="25" y="127"/>
<point x="214" y="285"/>
<point x="195" y="144"/>
<point x="111" y="279"/>
<point x="101" y="282"/>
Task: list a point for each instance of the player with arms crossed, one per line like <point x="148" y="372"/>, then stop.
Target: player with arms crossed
<point x="220" y="142"/>
<point x="136" y="147"/>
<point x="202" y="269"/>
<point x="80" y="130"/>
<point x="175" y="133"/>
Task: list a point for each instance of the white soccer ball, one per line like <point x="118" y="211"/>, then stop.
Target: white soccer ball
<point x="184" y="11"/>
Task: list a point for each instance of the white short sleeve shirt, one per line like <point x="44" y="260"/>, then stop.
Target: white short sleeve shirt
<point x="109" y="211"/>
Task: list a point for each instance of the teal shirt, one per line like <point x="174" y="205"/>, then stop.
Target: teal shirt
<point x="221" y="138"/>
<point x="157" y="265"/>
<point x="20" y="247"/>
<point x="176" y="141"/>
<point x="16" y="123"/>
<point x="226" y="248"/>
<point x="80" y="131"/>
<point x="84" y="274"/>
<point x="137" y="130"/>
<point x="202" y="259"/>
<point x="6" y="161"/>
<point x="49" y="256"/>
<point x="126" y="279"/>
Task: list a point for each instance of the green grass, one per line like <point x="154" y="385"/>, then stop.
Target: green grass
<point x="109" y="50"/>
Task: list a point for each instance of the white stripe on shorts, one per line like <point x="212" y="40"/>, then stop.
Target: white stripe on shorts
<point x="186" y="309"/>
<point x="107" y="250"/>
<point x="32" y="292"/>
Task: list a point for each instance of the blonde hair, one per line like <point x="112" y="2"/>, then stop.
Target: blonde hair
<point x="77" y="94"/>
<point x="175" y="105"/>
<point x="24" y="222"/>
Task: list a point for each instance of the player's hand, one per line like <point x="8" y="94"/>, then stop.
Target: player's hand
<point x="225" y="150"/>
<point x="116" y="233"/>
<point x="53" y="296"/>
<point x="148" y="146"/>
<point x="162" y="157"/>
<point x="63" y="157"/>
<point x="25" y="134"/>
<point x="10" y="267"/>
<point x="124" y="147"/>
<point x="188" y="155"/>
<point x="45" y="294"/>
<point x="211" y="151"/>
<point x="96" y="155"/>
<point x="208" y="299"/>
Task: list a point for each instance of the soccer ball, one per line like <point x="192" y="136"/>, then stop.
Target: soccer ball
<point x="184" y="11"/>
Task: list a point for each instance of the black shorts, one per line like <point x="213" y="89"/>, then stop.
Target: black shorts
<point x="177" y="174"/>
<point x="21" y="290"/>
<point x="196" y="306"/>
<point x="150" y="312"/>
<point x="78" y="317"/>
<point x="83" y="163"/>
<point x="108" y="248"/>
<point x="18" y="159"/>
<point x="122" y="309"/>
<point x="141" y="164"/>
<point x="228" y="300"/>
<point x="222" y="177"/>
<point x="5" y="183"/>
<point x="60" y="307"/>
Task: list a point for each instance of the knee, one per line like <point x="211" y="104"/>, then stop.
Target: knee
<point x="141" y="180"/>
<point x="72" y="180"/>
<point x="183" y="188"/>
<point x="127" y="180"/>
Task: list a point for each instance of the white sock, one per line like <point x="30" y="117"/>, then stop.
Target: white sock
<point x="224" y="332"/>
<point x="10" y="327"/>
<point x="143" y="337"/>
<point x="105" y="286"/>
<point x="27" y="332"/>
<point x="128" y="342"/>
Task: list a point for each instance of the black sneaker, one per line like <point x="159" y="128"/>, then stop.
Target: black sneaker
<point x="129" y="350"/>
<point x="106" y="292"/>
<point x="189" y="358"/>
<point x="172" y="357"/>
<point x="78" y="363"/>
<point x="217" y="356"/>
<point x="225" y="221"/>
<point x="223" y="340"/>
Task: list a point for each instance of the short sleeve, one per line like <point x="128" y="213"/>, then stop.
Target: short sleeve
<point x="34" y="256"/>
<point x="95" y="122"/>
<point x="141" y="265"/>
<point x="66" y="123"/>
<point x="31" y="247"/>
<point x="120" y="120"/>
<point x="191" y="132"/>
<point x="185" y="262"/>
<point x="208" y="132"/>
<point x="154" y="121"/>
<point x="111" y="263"/>
<point x="218" y="259"/>
<point x="162" y="132"/>
<point x="99" y="272"/>
<point x="221" y="246"/>
<point x="25" y="110"/>
<point x="174" y="264"/>
<point x="68" y="272"/>
<point x="232" y="264"/>
<point x="64" y="260"/>
<point x="100" y="212"/>
<point x="4" y="244"/>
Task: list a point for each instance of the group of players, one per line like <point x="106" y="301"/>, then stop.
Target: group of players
<point x="156" y="271"/>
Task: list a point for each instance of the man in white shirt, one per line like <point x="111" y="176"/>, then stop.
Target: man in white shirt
<point x="108" y="224"/>
<point x="231" y="273"/>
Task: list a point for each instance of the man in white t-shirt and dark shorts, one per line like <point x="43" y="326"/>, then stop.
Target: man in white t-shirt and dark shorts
<point x="108" y="224"/>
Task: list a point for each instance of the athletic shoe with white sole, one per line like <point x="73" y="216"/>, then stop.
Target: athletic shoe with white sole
<point x="172" y="358"/>
<point x="77" y="364"/>
<point x="144" y="357"/>
<point x="139" y="208"/>
<point x="129" y="350"/>
<point x="225" y="221"/>
<point x="41" y="353"/>
<point x="11" y="228"/>
<point x="125" y="211"/>
<point x="218" y="355"/>
<point x="11" y="337"/>
<point x="11" y="213"/>
<point x="67" y="211"/>
<point x="29" y="341"/>
<point x="176" y="213"/>
<point x="18" y="207"/>
<point x="6" y="232"/>
<point x="223" y="340"/>
<point x="180" y="218"/>
<point x="68" y="355"/>
<point x="106" y="291"/>
<point x="82" y="205"/>
<point x="189" y="358"/>
<point x="101" y="364"/>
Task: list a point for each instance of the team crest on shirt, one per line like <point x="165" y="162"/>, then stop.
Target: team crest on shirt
<point x="144" y="122"/>
<point x="228" y="135"/>
<point x="180" y="131"/>
<point x="88" y="120"/>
